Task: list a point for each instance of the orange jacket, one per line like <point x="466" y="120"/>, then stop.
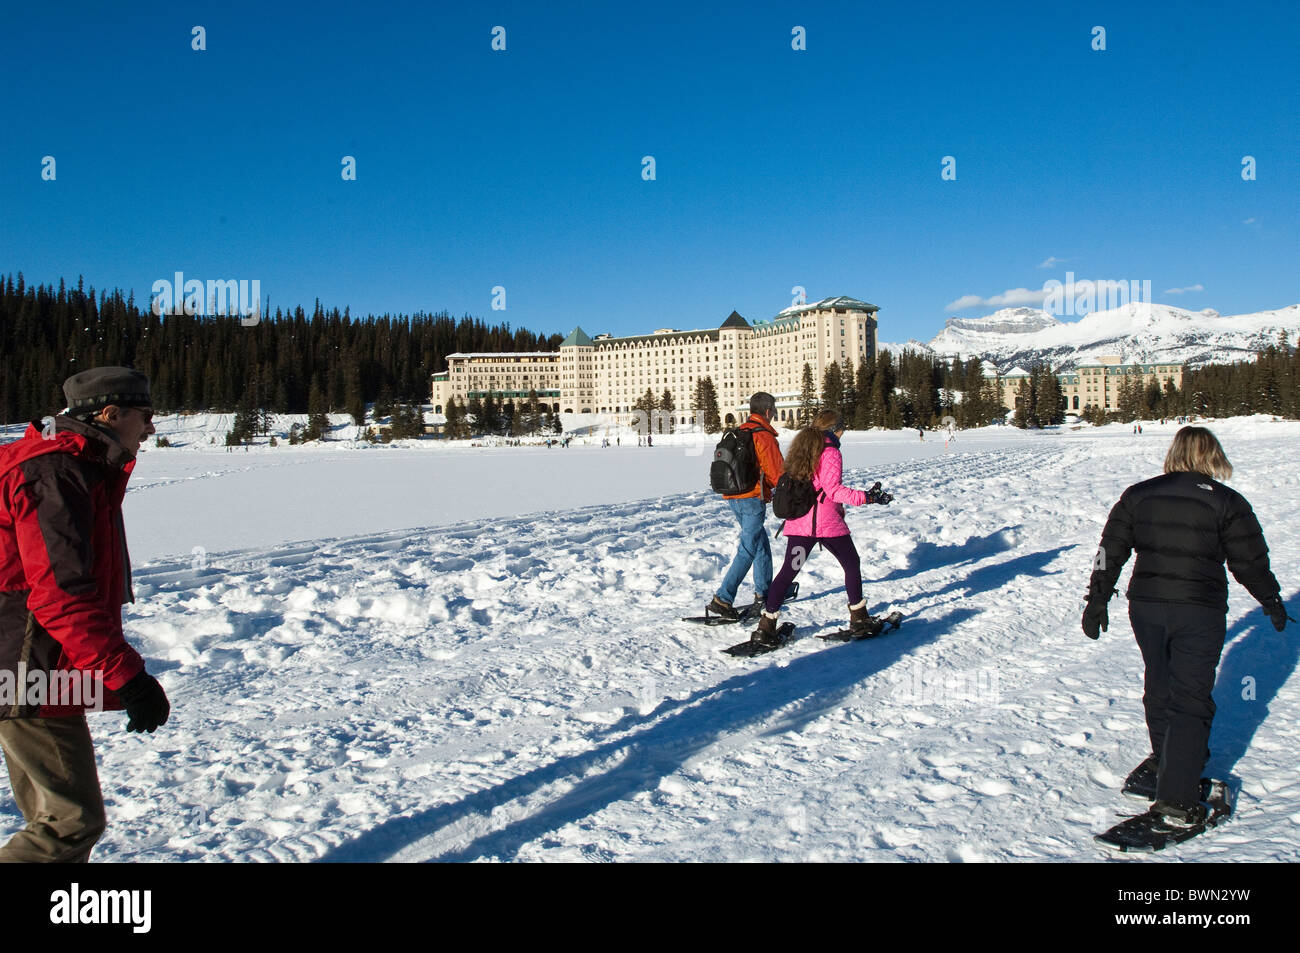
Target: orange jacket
<point x="770" y="462"/>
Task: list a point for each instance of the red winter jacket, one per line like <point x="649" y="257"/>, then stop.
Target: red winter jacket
<point x="64" y="570"/>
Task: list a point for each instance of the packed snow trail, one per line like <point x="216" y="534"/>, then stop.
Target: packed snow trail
<point x="520" y="688"/>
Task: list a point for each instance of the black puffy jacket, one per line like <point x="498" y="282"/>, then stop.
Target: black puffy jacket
<point x="1183" y="526"/>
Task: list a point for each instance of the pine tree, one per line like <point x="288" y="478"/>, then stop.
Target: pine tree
<point x="532" y="421"/>
<point x="807" y="397"/>
<point x="383" y="404"/>
<point x="1049" y="399"/>
<point x="862" y="419"/>
<point x="353" y="402"/>
<point x="883" y="411"/>
<point x="246" y="421"/>
<point x="668" y="408"/>
<point x="517" y="414"/>
<point x="475" y="413"/>
<point x="491" y="414"/>
<point x="1024" y="401"/>
<point x="318" y="423"/>
<point x="832" y="387"/>
<point x="849" y="405"/>
<point x="455" y="417"/>
<point x="645" y="407"/>
<point x="706" y="405"/>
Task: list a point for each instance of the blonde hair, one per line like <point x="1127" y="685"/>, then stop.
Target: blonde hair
<point x="1196" y="450"/>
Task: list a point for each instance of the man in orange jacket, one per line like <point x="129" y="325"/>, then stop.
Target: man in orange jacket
<point x="751" y="510"/>
<point x="64" y="574"/>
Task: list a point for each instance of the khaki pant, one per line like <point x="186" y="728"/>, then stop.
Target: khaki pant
<point x="51" y="764"/>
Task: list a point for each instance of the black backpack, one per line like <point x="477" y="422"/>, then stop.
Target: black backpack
<point x="792" y="498"/>
<point x="735" y="464"/>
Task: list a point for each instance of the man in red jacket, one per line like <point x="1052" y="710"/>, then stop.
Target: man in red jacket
<point x="64" y="574"/>
<point x="751" y="510"/>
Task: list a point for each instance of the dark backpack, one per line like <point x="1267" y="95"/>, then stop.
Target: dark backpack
<point x="792" y="498"/>
<point x="735" y="464"/>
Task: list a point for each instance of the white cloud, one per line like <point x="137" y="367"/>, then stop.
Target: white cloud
<point x="1017" y="297"/>
<point x="1011" y="298"/>
<point x="1051" y="262"/>
<point x="1249" y="221"/>
<point x="1187" y="290"/>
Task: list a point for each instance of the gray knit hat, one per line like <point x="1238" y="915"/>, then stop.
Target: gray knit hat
<point x="93" y="390"/>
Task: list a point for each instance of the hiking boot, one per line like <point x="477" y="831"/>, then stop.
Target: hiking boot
<point x="1141" y="781"/>
<point x="719" y="608"/>
<point x="1180" y="815"/>
<point x="863" y="626"/>
<point x="765" y="635"/>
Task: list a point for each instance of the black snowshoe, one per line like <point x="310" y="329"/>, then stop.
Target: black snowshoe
<point x="760" y="643"/>
<point x="719" y="613"/>
<point x="872" y="627"/>
<point x="1164" y="825"/>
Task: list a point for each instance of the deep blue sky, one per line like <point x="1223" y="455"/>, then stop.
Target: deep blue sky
<point x="775" y="168"/>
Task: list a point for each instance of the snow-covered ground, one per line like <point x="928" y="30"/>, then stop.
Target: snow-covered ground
<point x="475" y="653"/>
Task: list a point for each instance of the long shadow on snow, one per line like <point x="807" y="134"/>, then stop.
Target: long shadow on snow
<point x="810" y="685"/>
<point x="985" y="579"/>
<point x="1265" y="655"/>
<point x="927" y="556"/>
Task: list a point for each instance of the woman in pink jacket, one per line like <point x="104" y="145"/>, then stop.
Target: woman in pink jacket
<point x="815" y="455"/>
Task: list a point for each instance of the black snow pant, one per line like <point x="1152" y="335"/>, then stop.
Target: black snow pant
<point x="1181" y="644"/>
<point x="797" y="551"/>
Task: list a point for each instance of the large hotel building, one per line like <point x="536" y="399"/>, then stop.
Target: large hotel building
<point x="608" y="375"/>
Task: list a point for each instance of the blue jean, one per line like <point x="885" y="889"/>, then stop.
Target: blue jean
<point x="754" y="550"/>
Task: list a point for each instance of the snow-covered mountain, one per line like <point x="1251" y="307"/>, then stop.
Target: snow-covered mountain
<point x="1141" y="331"/>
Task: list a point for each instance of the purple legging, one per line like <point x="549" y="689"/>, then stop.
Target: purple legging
<point x="797" y="551"/>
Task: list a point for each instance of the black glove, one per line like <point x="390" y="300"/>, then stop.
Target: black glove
<point x="146" y="703"/>
<point x="876" y="495"/>
<point x="1276" y="612"/>
<point x="1095" y="619"/>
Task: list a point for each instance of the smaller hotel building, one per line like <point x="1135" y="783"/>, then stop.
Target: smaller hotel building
<point x="1095" y="383"/>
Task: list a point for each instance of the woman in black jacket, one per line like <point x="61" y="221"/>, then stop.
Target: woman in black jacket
<point x="1183" y="525"/>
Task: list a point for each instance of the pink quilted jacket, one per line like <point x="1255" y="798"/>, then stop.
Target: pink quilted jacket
<point x="832" y="497"/>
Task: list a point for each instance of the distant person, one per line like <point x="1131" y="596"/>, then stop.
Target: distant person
<point x="64" y="574"/>
<point x="920" y="433"/>
<point x="750" y="507"/>
<point x="815" y="456"/>
<point x="649" y="440"/>
<point x="1183" y="526"/>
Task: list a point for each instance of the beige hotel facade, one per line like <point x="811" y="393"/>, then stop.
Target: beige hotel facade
<point x="608" y="375"/>
<point x="1095" y="383"/>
